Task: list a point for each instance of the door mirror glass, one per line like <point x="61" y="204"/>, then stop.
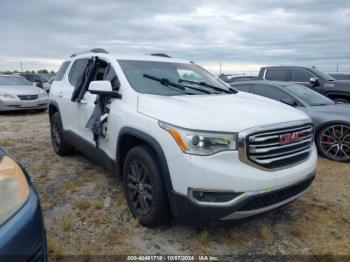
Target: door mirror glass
<point x="289" y="101"/>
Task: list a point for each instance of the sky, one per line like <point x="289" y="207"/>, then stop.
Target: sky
<point x="240" y="35"/>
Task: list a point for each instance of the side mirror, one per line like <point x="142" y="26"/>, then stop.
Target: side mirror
<point x="315" y="81"/>
<point x="103" y="88"/>
<point x="289" y="101"/>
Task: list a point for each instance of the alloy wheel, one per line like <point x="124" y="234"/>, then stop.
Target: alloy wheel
<point x="335" y="142"/>
<point x="139" y="187"/>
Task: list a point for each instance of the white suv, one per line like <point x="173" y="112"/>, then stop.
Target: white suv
<point x="185" y="145"/>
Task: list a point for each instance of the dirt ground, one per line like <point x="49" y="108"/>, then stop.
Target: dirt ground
<point x="85" y="210"/>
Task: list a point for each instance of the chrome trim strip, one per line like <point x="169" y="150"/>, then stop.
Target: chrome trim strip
<point x="265" y="149"/>
<point x="302" y="128"/>
<point x="280" y="156"/>
<point x="242" y="137"/>
<point x="243" y="214"/>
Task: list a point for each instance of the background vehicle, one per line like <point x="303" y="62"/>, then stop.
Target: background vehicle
<point x="47" y="85"/>
<point x="332" y="120"/>
<point x="33" y="78"/>
<point x="17" y="93"/>
<point x="310" y="77"/>
<point x="340" y="76"/>
<point x="184" y="144"/>
<point x="235" y="78"/>
<point x="22" y="232"/>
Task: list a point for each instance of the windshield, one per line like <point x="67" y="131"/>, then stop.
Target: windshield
<point x="308" y="96"/>
<point x="323" y="75"/>
<point x="174" y="72"/>
<point x="13" y="81"/>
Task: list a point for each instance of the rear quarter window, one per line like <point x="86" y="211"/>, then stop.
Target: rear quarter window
<point x="61" y="72"/>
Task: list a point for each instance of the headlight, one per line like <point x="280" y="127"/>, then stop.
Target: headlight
<point x="201" y="142"/>
<point x="8" y="96"/>
<point x="14" y="189"/>
<point x="42" y="93"/>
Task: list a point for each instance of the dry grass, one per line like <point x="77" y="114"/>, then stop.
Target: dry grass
<point x="318" y="223"/>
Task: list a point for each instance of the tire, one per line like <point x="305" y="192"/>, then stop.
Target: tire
<point x="144" y="188"/>
<point x="60" y="146"/>
<point x="333" y="142"/>
<point x="341" y="100"/>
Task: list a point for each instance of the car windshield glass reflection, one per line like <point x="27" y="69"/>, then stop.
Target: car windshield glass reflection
<point x="13" y="81"/>
<point x="309" y="96"/>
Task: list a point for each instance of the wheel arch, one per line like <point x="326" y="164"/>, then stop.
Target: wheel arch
<point x="329" y="123"/>
<point x="131" y="137"/>
<point x="53" y="108"/>
<point x="335" y="95"/>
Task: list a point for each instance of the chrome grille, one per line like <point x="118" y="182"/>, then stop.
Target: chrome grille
<point x="279" y="147"/>
<point x="28" y="97"/>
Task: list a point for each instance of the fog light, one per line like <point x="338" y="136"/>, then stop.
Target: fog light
<point x="206" y="196"/>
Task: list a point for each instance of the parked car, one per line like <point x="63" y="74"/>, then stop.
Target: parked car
<point x="331" y="119"/>
<point x="17" y="93"/>
<point x="340" y="76"/>
<point x="185" y="144"/>
<point x="33" y="78"/>
<point x="22" y="232"/>
<point x="310" y="77"/>
<point x="233" y="79"/>
<point x="47" y="85"/>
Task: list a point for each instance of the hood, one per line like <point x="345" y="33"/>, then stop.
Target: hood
<point x="225" y="113"/>
<point x="20" y="90"/>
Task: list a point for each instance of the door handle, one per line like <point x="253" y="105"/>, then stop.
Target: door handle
<point x="60" y="94"/>
<point x="84" y="102"/>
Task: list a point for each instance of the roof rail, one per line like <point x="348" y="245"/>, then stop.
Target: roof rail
<point x="94" y="50"/>
<point x="161" y="55"/>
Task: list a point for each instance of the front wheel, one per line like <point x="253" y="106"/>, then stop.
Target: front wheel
<point x="60" y="146"/>
<point x="341" y="100"/>
<point x="333" y="142"/>
<point x="144" y="187"/>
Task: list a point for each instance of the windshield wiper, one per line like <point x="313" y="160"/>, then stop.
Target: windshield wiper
<point x="168" y="83"/>
<point x="229" y="91"/>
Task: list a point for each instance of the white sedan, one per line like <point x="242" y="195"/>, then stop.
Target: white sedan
<point x="17" y="93"/>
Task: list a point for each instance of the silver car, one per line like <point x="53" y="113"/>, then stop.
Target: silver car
<point x="17" y="93"/>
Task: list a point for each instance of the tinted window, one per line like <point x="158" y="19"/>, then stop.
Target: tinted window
<point x="308" y="96"/>
<point x="270" y="92"/>
<point x="77" y="71"/>
<point x="276" y="74"/>
<point x="62" y="71"/>
<point x="301" y="75"/>
<point x="244" y="88"/>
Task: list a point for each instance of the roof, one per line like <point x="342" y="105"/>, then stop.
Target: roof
<point x="287" y="66"/>
<point x="158" y="57"/>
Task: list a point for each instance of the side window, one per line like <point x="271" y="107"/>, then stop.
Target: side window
<point x="279" y="74"/>
<point x="111" y="75"/>
<point x="243" y="88"/>
<point x="270" y="92"/>
<point x="77" y="71"/>
<point x="301" y="75"/>
<point x="62" y="71"/>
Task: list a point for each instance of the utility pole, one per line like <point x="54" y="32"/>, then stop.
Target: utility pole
<point x="337" y="68"/>
<point x="21" y="67"/>
<point x="220" y="68"/>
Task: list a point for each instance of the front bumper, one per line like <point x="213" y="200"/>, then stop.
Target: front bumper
<point x="247" y="204"/>
<point x="23" y="237"/>
<point x="17" y="104"/>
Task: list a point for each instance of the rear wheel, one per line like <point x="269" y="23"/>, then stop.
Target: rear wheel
<point x="341" y="100"/>
<point x="333" y="142"/>
<point x="144" y="187"/>
<point x="60" y="146"/>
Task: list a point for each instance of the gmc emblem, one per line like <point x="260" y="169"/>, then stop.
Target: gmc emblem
<point x="290" y="138"/>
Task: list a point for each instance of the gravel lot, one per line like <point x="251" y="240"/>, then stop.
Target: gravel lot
<point x="85" y="211"/>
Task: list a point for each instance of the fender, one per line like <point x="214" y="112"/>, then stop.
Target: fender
<point x="153" y="143"/>
<point x="53" y="104"/>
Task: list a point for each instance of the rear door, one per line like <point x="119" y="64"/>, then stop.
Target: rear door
<point x="74" y="80"/>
